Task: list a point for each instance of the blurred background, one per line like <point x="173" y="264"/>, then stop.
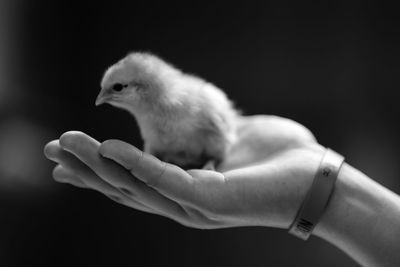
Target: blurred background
<point x="334" y="68"/>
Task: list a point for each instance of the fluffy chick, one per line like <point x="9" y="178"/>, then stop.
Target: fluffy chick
<point x="183" y="119"/>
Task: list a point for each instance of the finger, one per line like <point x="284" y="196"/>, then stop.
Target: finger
<point x="54" y="152"/>
<point x="63" y="175"/>
<point x="50" y="149"/>
<point x="80" y="173"/>
<point x="166" y="178"/>
<point x="87" y="150"/>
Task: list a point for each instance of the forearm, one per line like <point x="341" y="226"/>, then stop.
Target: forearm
<point x="363" y="219"/>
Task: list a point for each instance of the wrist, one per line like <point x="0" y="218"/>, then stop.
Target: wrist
<point x="353" y="190"/>
<point x="339" y="202"/>
<point x="360" y="218"/>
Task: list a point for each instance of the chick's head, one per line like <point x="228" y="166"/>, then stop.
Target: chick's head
<point x="134" y="83"/>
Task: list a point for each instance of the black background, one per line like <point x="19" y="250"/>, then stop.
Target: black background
<point x="332" y="67"/>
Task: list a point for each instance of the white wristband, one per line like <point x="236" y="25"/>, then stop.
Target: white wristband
<point x="318" y="195"/>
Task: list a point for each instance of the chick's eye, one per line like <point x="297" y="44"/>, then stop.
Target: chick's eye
<point x="118" y="87"/>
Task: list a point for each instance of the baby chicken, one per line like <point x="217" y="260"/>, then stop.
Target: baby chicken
<point x="183" y="119"/>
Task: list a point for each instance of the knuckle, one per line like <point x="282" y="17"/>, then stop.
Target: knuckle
<point x="106" y="145"/>
<point x="136" y="163"/>
<point x="154" y="168"/>
<point x="127" y="191"/>
<point x="140" y="158"/>
<point x="158" y="174"/>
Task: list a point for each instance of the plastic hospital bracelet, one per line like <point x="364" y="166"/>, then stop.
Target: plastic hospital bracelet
<point x="318" y="195"/>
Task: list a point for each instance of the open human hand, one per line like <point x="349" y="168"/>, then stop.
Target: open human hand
<point x="262" y="181"/>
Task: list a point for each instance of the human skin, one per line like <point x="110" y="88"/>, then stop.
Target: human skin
<point x="262" y="182"/>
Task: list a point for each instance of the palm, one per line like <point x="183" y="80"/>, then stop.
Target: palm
<point x="271" y="157"/>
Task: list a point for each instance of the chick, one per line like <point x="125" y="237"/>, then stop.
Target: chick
<point x="183" y="119"/>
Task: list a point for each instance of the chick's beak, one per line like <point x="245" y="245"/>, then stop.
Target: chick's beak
<point x="102" y="98"/>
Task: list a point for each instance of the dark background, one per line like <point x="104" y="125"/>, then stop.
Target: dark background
<point x="332" y="67"/>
